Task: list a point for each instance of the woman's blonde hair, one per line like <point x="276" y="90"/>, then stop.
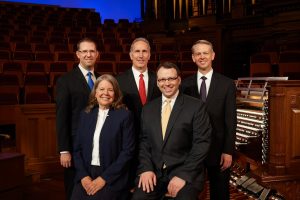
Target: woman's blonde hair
<point x="117" y="102"/>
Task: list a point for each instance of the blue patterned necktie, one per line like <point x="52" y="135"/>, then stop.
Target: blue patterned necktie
<point x="90" y="80"/>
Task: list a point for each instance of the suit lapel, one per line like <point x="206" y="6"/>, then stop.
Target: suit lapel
<point x="108" y="121"/>
<point x="132" y="83"/>
<point x="105" y="129"/>
<point x="151" y="85"/>
<point x="80" y="77"/>
<point x="92" y="121"/>
<point x="174" y="114"/>
<point x="212" y="88"/>
<point x="157" y="121"/>
<point x="195" y="87"/>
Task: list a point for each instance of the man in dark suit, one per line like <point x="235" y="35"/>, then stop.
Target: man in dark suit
<point x="130" y="81"/>
<point x="73" y="90"/>
<point x="220" y="100"/>
<point x="172" y="149"/>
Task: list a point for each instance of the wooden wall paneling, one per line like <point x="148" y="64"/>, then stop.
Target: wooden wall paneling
<point x="36" y="134"/>
<point x="295" y="134"/>
<point x="282" y="170"/>
<point x="284" y="126"/>
<point x="7" y="114"/>
<point x="277" y="99"/>
<point x="294" y="128"/>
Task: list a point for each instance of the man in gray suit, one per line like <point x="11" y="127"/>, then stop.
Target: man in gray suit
<point x="172" y="151"/>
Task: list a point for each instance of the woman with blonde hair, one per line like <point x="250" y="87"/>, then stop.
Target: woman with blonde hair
<point x="104" y="144"/>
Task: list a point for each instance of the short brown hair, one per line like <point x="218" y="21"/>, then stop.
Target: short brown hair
<point x="86" y="39"/>
<point x="169" y="65"/>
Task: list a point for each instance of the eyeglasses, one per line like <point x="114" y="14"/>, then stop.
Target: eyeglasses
<point x="163" y="80"/>
<point x="85" y="52"/>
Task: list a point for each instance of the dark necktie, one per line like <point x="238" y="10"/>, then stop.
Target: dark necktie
<point x="203" y="89"/>
<point x="90" y="80"/>
<point x="142" y="90"/>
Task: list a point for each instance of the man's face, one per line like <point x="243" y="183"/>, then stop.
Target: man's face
<point x="168" y="81"/>
<point x="87" y="55"/>
<point x="203" y="56"/>
<point x="140" y="55"/>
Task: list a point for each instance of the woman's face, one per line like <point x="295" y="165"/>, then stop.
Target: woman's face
<point x="105" y="94"/>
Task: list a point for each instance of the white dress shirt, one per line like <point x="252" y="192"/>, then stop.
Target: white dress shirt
<point x="136" y="75"/>
<point x="207" y="81"/>
<point x="102" y="114"/>
<point x="173" y="99"/>
<point x="85" y="72"/>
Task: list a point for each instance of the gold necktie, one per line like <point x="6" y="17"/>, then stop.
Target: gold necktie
<point x="165" y="116"/>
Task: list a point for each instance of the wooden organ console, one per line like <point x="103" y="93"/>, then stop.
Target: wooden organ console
<point x="267" y="159"/>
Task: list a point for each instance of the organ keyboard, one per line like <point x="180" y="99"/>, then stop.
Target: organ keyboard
<point x="252" y="117"/>
<point x="267" y="138"/>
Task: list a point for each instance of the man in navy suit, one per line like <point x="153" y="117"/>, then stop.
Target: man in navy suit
<point x="172" y="152"/>
<point x="219" y="96"/>
<point x="72" y="96"/>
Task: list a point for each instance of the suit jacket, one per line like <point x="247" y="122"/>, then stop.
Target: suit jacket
<point x="116" y="146"/>
<point x="72" y="96"/>
<point x="186" y="142"/>
<point x="131" y="95"/>
<point x="221" y="107"/>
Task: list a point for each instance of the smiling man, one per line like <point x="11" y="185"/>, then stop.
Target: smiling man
<point x="138" y="84"/>
<point x="218" y="93"/>
<point x="73" y="91"/>
<point x="174" y="141"/>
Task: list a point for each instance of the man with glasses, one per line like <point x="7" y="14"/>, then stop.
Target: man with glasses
<point x="174" y="141"/>
<point x="73" y="91"/>
<point x="218" y="93"/>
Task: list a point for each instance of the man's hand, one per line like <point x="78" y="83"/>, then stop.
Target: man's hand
<point x="65" y="159"/>
<point x="226" y="161"/>
<point x="175" y="185"/>
<point x="87" y="184"/>
<point x="98" y="184"/>
<point x="147" y="181"/>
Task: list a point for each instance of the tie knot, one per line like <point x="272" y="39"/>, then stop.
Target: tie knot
<point x="141" y="75"/>
<point x="89" y="74"/>
<point x="203" y="78"/>
<point x="168" y="101"/>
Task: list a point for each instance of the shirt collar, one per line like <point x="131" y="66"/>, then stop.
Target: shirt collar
<point x="104" y="111"/>
<point x="84" y="71"/>
<point x="173" y="98"/>
<point x="137" y="73"/>
<point x="208" y="75"/>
